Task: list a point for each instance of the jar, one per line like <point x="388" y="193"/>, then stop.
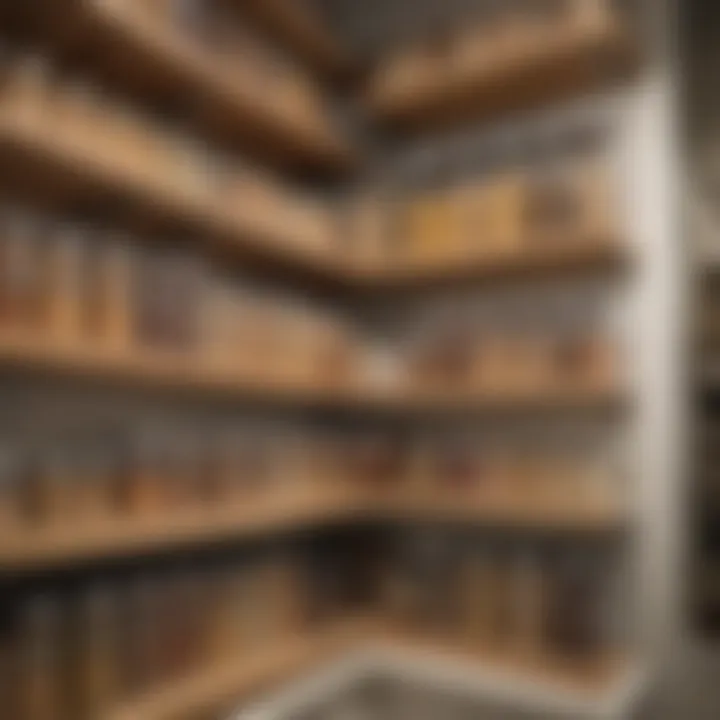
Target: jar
<point x="41" y="660"/>
<point x="20" y="274"/>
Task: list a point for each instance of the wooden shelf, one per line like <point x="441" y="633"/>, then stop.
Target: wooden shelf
<point x="603" y="686"/>
<point x="105" y="538"/>
<point x="65" y="172"/>
<point x="116" y="537"/>
<point x="187" y="373"/>
<point x="578" y="257"/>
<point x="526" y="514"/>
<point x="212" y="688"/>
<point x="549" y="683"/>
<point x="538" y="72"/>
<point x="139" y="50"/>
<point x="303" y="32"/>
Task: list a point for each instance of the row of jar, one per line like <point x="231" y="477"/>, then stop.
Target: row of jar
<point x="163" y="158"/>
<point x="504" y="33"/>
<point x="78" y="286"/>
<point x="75" y="653"/>
<point x="521" y="212"/>
<point x="65" y="481"/>
<point x="506" y="595"/>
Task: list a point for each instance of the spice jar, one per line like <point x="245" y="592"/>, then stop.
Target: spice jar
<point x="27" y="89"/>
<point x="145" y="487"/>
<point x="49" y="495"/>
<point x="63" y="282"/>
<point x="41" y="660"/>
<point x="577" y="613"/>
<point x="97" y="668"/>
<point x="20" y="275"/>
<point x="10" y="500"/>
<point x="108" y="295"/>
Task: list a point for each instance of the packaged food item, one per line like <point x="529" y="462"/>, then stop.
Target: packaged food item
<point x="96" y="652"/>
<point x="490" y="215"/>
<point x="41" y="659"/>
<point x="567" y="205"/>
<point x="10" y="488"/>
<point x="146" y="487"/>
<point x="167" y="302"/>
<point x="108" y="292"/>
<point x="429" y="227"/>
<point x="367" y="221"/>
<point x="63" y="282"/>
<point x="20" y="273"/>
<point x="577" y="619"/>
<point x="27" y="89"/>
<point x="49" y="486"/>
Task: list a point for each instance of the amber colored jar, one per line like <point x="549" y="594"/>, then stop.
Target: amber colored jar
<point x="42" y="690"/>
<point x="576" y="611"/>
<point x="48" y="494"/>
<point x="10" y="500"/>
<point x="63" y="258"/>
<point x="107" y="293"/>
<point x="145" y="486"/>
<point x="97" y="652"/>
<point x="20" y="275"/>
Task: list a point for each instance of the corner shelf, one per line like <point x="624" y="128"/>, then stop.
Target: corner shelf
<point x="577" y="256"/>
<point x="303" y="32"/>
<point x="113" y="537"/>
<point x="538" y="72"/>
<point x="187" y="373"/>
<point x="143" y="52"/>
<point x="66" y="172"/>
<point x="216" y="686"/>
<point x="368" y="647"/>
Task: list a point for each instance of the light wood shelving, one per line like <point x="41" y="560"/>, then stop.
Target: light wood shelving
<point x="538" y="71"/>
<point x="108" y="537"/>
<point x="148" y="54"/>
<point x="190" y="373"/>
<point x="570" y="684"/>
<point x="104" y="538"/>
<point x="304" y="33"/>
<point x="577" y="256"/>
<point x="213" y="687"/>
<point x="66" y="170"/>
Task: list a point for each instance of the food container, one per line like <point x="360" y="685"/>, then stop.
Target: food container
<point x="96" y="652"/>
<point x="63" y="286"/>
<point x="41" y="659"/>
<point x="21" y="277"/>
<point x="108" y="293"/>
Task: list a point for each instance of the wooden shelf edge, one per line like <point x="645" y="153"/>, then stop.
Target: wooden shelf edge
<point x="31" y="352"/>
<point x="113" y="537"/>
<point x="569" y="66"/>
<point x="291" y="656"/>
<point x="517" y="677"/>
<point x="579" y="256"/>
<point x="305" y="34"/>
<point x="319" y="146"/>
<point x="234" y="234"/>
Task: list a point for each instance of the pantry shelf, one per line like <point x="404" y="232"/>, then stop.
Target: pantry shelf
<point x="579" y="255"/>
<point x="106" y="537"/>
<point x="605" y="682"/>
<point x="103" y="538"/>
<point x="606" y="685"/>
<point x="304" y="33"/>
<point x="539" y="69"/>
<point x="187" y="373"/>
<point x="144" y="51"/>
<point x="212" y="688"/>
<point x="64" y="171"/>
